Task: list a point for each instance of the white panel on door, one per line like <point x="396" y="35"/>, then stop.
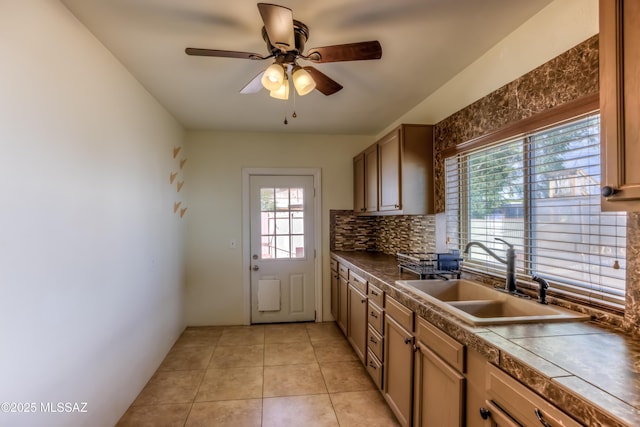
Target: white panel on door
<point x="297" y="293"/>
<point x="268" y="295"/>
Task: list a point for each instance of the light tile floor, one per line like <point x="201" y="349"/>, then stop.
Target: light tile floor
<point x="301" y="374"/>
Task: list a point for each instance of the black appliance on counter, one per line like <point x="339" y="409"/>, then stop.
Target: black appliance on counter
<point x="431" y="265"/>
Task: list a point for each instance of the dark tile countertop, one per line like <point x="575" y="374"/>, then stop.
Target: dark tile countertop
<point x="585" y="368"/>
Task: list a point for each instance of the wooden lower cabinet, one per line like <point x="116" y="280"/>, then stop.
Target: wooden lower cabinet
<point x="335" y="299"/>
<point x="357" y="329"/>
<point x="439" y="391"/>
<point x="343" y="305"/>
<point x="476" y="394"/>
<point x="398" y="361"/>
<point x="439" y="384"/>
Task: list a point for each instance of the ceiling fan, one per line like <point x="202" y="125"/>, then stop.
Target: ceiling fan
<point x="285" y="38"/>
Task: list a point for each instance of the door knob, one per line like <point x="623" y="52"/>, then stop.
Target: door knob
<point x="255" y="268"/>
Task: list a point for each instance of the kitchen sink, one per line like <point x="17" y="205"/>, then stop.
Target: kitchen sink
<point x="478" y="304"/>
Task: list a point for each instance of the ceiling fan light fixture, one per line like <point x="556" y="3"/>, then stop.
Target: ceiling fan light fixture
<point x="273" y="77"/>
<point x="302" y="81"/>
<point x="282" y="92"/>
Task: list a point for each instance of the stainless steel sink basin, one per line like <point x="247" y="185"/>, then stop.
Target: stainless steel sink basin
<point x="478" y="304"/>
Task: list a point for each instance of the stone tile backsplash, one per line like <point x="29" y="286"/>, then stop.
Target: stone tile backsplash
<point x="387" y="234"/>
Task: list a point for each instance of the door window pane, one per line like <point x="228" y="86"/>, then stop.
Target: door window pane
<point x="282" y="222"/>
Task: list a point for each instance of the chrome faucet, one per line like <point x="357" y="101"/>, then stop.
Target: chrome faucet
<point x="510" y="261"/>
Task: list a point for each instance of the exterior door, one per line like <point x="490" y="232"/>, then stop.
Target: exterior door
<point x="282" y="248"/>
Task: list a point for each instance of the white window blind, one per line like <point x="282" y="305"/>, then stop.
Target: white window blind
<point x="541" y="192"/>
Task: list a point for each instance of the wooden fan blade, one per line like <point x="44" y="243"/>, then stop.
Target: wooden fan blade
<point x="278" y="22"/>
<point x="254" y="86"/>
<point x="346" y="52"/>
<point x="324" y="83"/>
<point x="222" y="53"/>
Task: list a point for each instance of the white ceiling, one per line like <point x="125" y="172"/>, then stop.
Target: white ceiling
<point x="424" y="44"/>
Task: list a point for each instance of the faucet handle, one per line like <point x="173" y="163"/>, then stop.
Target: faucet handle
<point x="505" y="242"/>
<point x="540" y="280"/>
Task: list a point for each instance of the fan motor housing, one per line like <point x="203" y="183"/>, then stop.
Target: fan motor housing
<point x="300" y="32"/>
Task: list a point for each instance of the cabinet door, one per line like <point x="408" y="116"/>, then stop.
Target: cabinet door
<point x="439" y="391"/>
<point x="398" y="370"/>
<point x="620" y="103"/>
<point x="343" y="288"/>
<point x="390" y="174"/>
<point x="357" y="329"/>
<point x="371" y="179"/>
<point x="359" y="205"/>
<point x="335" y="295"/>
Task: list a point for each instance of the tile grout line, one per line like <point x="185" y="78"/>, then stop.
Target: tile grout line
<point x="201" y="381"/>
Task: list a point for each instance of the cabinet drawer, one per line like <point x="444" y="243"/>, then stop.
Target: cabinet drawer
<point x="374" y="367"/>
<point x="358" y="282"/>
<point x="447" y="348"/>
<point x="374" y="342"/>
<point x="522" y="404"/>
<point x="343" y="271"/>
<point x="375" y="318"/>
<point x="399" y="313"/>
<point x="334" y="265"/>
<point x="376" y="295"/>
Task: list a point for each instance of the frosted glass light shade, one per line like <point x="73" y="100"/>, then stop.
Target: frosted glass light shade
<point x="282" y="92"/>
<point x="273" y="77"/>
<point x="303" y="81"/>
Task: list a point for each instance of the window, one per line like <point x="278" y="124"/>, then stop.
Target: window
<point x="541" y="192"/>
<point x="282" y="222"/>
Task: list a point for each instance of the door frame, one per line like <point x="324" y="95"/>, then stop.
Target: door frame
<point x="246" y="232"/>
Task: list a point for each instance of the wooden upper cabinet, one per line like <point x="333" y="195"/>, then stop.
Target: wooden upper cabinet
<point x="620" y="104"/>
<point x="389" y="172"/>
<point x="359" y="205"/>
<point x="398" y="173"/>
<point x="371" y="179"/>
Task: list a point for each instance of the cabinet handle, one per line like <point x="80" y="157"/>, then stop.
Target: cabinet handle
<point x="397" y="206"/>
<point x="373" y="365"/>
<point x="485" y="413"/>
<point x="407" y="340"/>
<point x="608" y="191"/>
<point x="416" y="348"/>
<point x="374" y="293"/>
<point x="363" y="300"/>
<point x="373" y="340"/>
<point x="373" y="314"/>
<point x="538" y="413"/>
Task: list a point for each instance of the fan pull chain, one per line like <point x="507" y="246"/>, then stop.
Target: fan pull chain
<point x="294" y="115"/>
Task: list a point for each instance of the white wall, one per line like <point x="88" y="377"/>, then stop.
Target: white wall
<point x="214" y="271"/>
<point x="91" y="254"/>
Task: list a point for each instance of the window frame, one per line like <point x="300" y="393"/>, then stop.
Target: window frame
<point x="521" y="131"/>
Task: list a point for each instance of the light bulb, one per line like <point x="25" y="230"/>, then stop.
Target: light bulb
<point x="273" y="77"/>
<point x="282" y="92"/>
<point x="302" y="81"/>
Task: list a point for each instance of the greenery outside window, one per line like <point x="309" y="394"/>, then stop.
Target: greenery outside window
<point x="541" y="192"/>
